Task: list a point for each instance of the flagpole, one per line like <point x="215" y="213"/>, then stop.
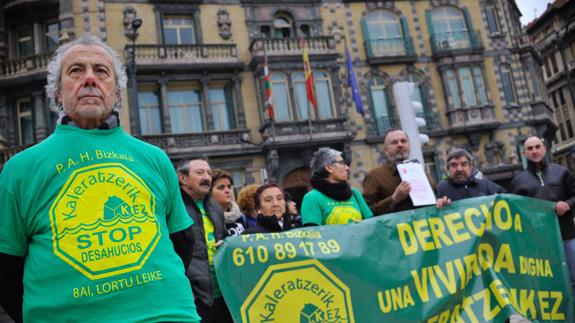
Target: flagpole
<point x="268" y="104"/>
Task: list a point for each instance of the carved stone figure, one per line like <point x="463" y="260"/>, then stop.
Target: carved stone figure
<point x="224" y="24"/>
<point x="129" y="15"/>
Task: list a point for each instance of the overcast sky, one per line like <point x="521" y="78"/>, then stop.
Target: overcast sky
<point x="531" y="9"/>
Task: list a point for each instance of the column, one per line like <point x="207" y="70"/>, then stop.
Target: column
<point x="39" y="116"/>
<point x="164" y="108"/>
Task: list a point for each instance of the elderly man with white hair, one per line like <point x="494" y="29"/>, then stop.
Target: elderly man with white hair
<point x="87" y="214"/>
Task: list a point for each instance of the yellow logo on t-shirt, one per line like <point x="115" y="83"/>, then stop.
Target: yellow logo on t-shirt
<point x="343" y="214"/>
<point x="103" y="221"/>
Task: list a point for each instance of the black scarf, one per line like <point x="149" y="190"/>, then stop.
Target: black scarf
<point x="337" y="191"/>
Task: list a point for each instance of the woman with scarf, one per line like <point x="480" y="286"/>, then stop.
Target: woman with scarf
<point x="222" y="192"/>
<point x="332" y="200"/>
<point x="270" y="205"/>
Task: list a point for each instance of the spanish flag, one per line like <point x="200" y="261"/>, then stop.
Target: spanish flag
<point x="309" y="84"/>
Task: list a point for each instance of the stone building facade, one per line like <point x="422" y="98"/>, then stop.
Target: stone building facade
<point x="197" y="84"/>
<point x="553" y="36"/>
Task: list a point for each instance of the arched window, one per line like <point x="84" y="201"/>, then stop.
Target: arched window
<point x="323" y="95"/>
<point x="280" y="94"/>
<point x="283" y="26"/>
<point x="384" y="118"/>
<point x="384" y="35"/>
<point x="450" y="30"/>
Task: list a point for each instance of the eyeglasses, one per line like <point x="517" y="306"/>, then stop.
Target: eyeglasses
<point x="341" y="162"/>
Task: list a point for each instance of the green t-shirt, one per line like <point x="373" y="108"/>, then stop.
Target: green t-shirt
<point x="320" y="209"/>
<point x="92" y="211"/>
<point x="211" y="245"/>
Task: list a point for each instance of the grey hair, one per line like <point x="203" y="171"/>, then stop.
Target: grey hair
<point x="456" y="152"/>
<point x="55" y="67"/>
<point x="322" y="157"/>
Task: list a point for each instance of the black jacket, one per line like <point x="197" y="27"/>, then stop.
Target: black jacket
<point x="198" y="271"/>
<point x="474" y="187"/>
<point x="554" y="183"/>
<point x="269" y="224"/>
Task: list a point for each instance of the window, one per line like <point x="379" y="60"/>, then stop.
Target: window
<point x="283" y="25"/>
<point x="554" y="98"/>
<point x="25" y="121"/>
<point x="323" y="95"/>
<point x="384" y="35"/>
<point x="508" y="84"/>
<point x="149" y="109"/>
<point x="222" y="108"/>
<point x="569" y="128"/>
<point x="25" y="41"/>
<point x="184" y="104"/>
<point x="465" y="85"/>
<point x="553" y="62"/>
<point x="51" y="36"/>
<point x="280" y="94"/>
<point x="384" y="118"/>
<point x="281" y="97"/>
<point x="561" y="96"/>
<point x="492" y="21"/>
<point x="547" y="68"/>
<point x="449" y="28"/>
<point x="178" y="30"/>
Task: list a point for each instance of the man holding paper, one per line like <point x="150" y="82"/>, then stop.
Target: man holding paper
<point x="384" y="189"/>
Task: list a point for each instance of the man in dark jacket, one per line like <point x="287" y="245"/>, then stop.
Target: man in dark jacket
<point x="464" y="181"/>
<point x="195" y="181"/>
<point x="551" y="182"/>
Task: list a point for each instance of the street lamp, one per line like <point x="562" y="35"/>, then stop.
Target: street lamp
<point x="134" y="109"/>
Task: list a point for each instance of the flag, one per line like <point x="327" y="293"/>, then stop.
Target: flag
<point x="352" y="81"/>
<point x="269" y="102"/>
<point x="309" y="85"/>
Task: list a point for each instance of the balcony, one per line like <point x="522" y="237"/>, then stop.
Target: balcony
<point x="194" y="56"/>
<point x="282" y="49"/>
<point x="383" y="123"/>
<point x="390" y="51"/>
<point x="24" y="69"/>
<point x="298" y="133"/>
<point x="214" y="143"/>
<point x="460" y="42"/>
<point x="476" y="118"/>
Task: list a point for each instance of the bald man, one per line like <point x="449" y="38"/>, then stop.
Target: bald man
<point x="551" y="182"/>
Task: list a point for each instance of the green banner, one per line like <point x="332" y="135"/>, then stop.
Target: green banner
<point x="477" y="260"/>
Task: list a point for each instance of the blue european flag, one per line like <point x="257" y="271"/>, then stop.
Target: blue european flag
<point x="352" y="81"/>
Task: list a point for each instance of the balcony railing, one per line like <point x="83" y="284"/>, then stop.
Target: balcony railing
<point x="206" y="140"/>
<point x="186" y="54"/>
<point x="472" y="117"/>
<point x="459" y="40"/>
<point x="23" y="65"/>
<point x="299" y="131"/>
<point x="392" y="47"/>
<point x="292" y="46"/>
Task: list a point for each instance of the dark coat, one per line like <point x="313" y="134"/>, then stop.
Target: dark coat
<point x="269" y="224"/>
<point x="474" y="187"/>
<point x="199" y="270"/>
<point x="553" y="183"/>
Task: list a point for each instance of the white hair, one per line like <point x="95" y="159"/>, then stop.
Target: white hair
<point x="55" y="67"/>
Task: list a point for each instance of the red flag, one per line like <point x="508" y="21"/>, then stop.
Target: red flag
<point x="309" y="84"/>
<point x="269" y="103"/>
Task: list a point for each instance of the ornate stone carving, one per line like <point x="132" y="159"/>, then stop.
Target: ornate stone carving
<point x="224" y="24"/>
<point x="495" y="153"/>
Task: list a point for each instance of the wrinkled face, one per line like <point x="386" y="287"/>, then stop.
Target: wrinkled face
<point x="535" y="149"/>
<point x="459" y="169"/>
<point x="199" y="178"/>
<point x="338" y="171"/>
<point x="272" y="202"/>
<point x="396" y="146"/>
<point x="222" y="192"/>
<point x="88" y="85"/>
